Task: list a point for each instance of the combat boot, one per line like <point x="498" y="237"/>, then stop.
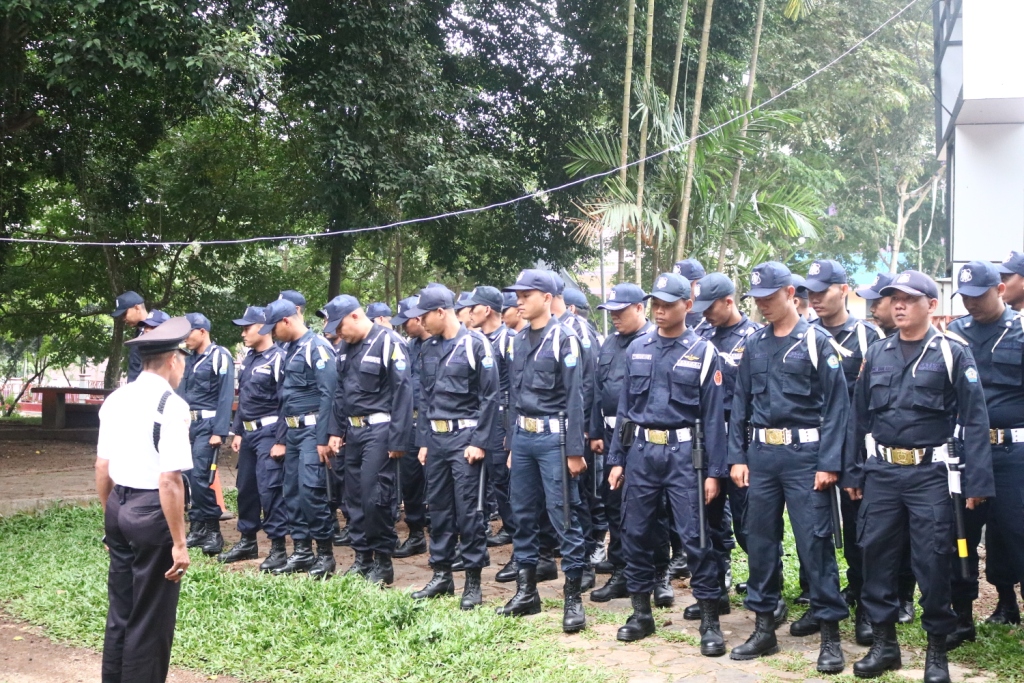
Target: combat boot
<point x="589" y="579"/>
<point x="300" y="560"/>
<point x="1007" y="611"/>
<point x="245" y="549"/>
<point x="884" y="654"/>
<point x="664" y="595"/>
<point x="862" y="631"/>
<point x="807" y="625"/>
<point x="936" y="664"/>
<point x="762" y="641"/>
<point x="547" y="570"/>
<point x="508" y="573"/>
<point x="641" y="622"/>
<point x="382" y="572"/>
<point x="324" y="564"/>
<point x="527" y="599"/>
<point x="278" y="556"/>
<point x="615" y="588"/>
<point x="440" y="584"/>
<point x="362" y="565"/>
<point x="692" y="612"/>
<point x="340" y="536"/>
<point x="574" y="618"/>
<point x="905" y="591"/>
<point x="781" y="613"/>
<point x="964" y="625"/>
<point x="503" y="537"/>
<point x="214" y="541"/>
<point x="830" y="656"/>
<point x="472" y="591"/>
<point x="196" y="534"/>
<point x="415" y="544"/>
<point x="712" y="644"/>
<point x="677" y="568"/>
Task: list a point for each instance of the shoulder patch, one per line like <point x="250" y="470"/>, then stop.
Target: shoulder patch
<point x="487" y="362"/>
<point x="400" y="364"/>
<point x="718" y="378"/>
<point x="570" y="360"/>
<point x="833" y="361"/>
<point x="320" y="364"/>
<point x="971" y="374"/>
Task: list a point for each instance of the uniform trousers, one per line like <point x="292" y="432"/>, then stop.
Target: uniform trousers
<point x="143" y="604"/>
<point x="204" y="498"/>
<point x="260" y="480"/>
<point x="414" y="488"/>
<point x="371" y="489"/>
<point x="453" y="485"/>
<point x="498" y="475"/>
<point x="305" y="487"/>
<point x="337" y="475"/>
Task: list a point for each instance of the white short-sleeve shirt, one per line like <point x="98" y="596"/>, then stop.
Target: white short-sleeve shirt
<point x="126" y="433"/>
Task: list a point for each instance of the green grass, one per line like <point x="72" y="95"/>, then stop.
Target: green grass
<point x="17" y="420"/>
<point x="275" y="629"/>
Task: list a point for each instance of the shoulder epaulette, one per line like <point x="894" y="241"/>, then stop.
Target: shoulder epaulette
<point x="956" y="337"/>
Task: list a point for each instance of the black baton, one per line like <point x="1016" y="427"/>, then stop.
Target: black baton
<point x="565" y="472"/>
<point x="837" y="523"/>
<point x="481" y="489"/>
<point x="212" y="476"/>
<point x="700" y="467"/>
<point x="327" y="480"/>
<point x="954" y="464"/>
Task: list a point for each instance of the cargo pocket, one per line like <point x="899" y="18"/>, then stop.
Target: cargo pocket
<point x="862" y="523"/>
<point x="270" y="471"/>
<point x="821" y="508"/>
<point x="386" y="488"/>
<point x="945" y="537"/>
<point x="313" y="476"/>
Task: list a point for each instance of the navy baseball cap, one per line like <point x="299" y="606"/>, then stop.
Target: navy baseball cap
<point x="689" y="268"/>
<point x="431" y="299"/>
<point x="1013" y="264"/>
<point x="465" y="300"/>
<point x="508" y="300"/>
<point x="670" y="287"/>
<point x="768" y="278"/>
<point x="874" y="290"/>
<point x="914" y="283"/>
<point x="252" y="315"/>
<point x="824" y="273"/>
<point x="293" y="296"/>
<point x="976" y="278"/>
<point x="800" y="285"/>
<point x="486" y="296"/>
<point x="710" y="289"/>
<point x="155" y="319"/>
<point x="403" y="316"/>
<point x="533" y="278"/>
<point x="336" y="309"/>
<point x="623" y="296"/>
<point x="559" y="283"/>
<point x="198" y="321"/>
<point x="576" y="298"/>
<point x="275" y="312"/>
<point x="126" y="301"/>
<point x="378" y="309"/>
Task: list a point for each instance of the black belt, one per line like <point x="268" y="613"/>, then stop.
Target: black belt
<point x="128" y="489"/>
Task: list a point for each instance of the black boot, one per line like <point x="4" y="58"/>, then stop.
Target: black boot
<point x="741" y="588"/>
<point x="664" y="595"/>
<point x="527" y="599"/>
<point x="677" y="568"/>
<point x="862" y="631"/>
<point x="245" y="549"/>
<point x="415" y="544"/>
<point x="508" y="573"/>
<point x="382" y="572"/>
<point x="781" y="613"/>
<point x="278" y="556"/>
<point x="884" y="654"/>
<point x="692" y="612"/>
<point x="546" y="569"/>
<point x="459" y="565"/>
<point x="503" y="537"/>
<point x="830" y="656"/>
<point x="615" y="588"/>
<point x="805" y="626"/>
<point x="214" y="541"/>
<point x="589" y="579"/>
<point x="761" y="642"/>
<point x="440" y="584"/>
<point x="1007" y="610"/>
<point x="936" y="664"/>
<point x="712" y="644"/>
<point x="362" y="565"/>
<point x="300" y="560"/>
<point x="196" y="534"/>
<point x="472" y="592"/>
<point x="641" y="622"/>
<point x="804" y="598"/>
<point x="574" y="619"/>
<point x="341" y="536"/>
<point x="905" y="591"/>
<point x="964" y="625"/>
<point x="324" y="565"/>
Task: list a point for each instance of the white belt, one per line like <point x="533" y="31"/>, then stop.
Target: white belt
<point x="663" y="437"/>
<point x="445" y="426"/>
<point x="784" y="437"/>
<point x="253" y="425"/>
<point x="373" y="419"/>
<point x="609" y="422"/>
<point x="202" y="414"/>
<point x="911" y="456"/>
<point x="538" y="425"/>
<point x="301" y="420"/>
<point x="1000" y="436"/>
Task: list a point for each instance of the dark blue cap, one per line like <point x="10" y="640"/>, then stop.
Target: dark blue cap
<point x="670" y="287"/>
<point x="508" y="300"/>
<point x="800" y="284"/>
<point x="874" y="290"/>
<point x="293" y="296"/>
<point x="486" y="296"/>
<point x="768" y="278"/>
<point x="623" y="295"/>
<point x="198" y="321"/>
<point x="824" y="273"/>
<point x="275" y="312"/>
<point x="431" y="299"/>
<point x="1013" y="264"/>
<point x="155" y="319"/>
<point x="976" y="278"/>
<point x="167" y="337"/>
<point x="914" y="283"/>
<point x="533" y="278"/>
<point x="465" y="300"/>
<point x="689" y="268"/>
<point x="559" y="283"/>
<point x="710" y="289"/>
<point x="253" y="315"/>
<point x="126" y="301"/>
<point x="403" y="310"/>
<point x="378" y="309"/>
<point x="336" y="309"/>
<point x="576" y="298"/>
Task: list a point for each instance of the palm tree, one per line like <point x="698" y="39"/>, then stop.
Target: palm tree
<point x="627" y="83"/>
<point x="641" y="167"/>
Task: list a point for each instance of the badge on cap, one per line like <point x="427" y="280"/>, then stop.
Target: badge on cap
<point x="878" y="278"/>
<point x="677" y="270"/>
<point x="815" y="269"/>
<point x="662" y="282"/>
<point x="696" y="289"/>
<point x="755" y="278"/>
<point x="971" y="374"/>
<point x="903" y="278"/>
<point x="965" y="275"/>
<point x="522" y="274"/>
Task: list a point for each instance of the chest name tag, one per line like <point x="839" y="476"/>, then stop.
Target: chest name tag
<point x="642" y="356"/>
<point x="371" y="359"/>
<point x="692" y="364"/>
<point x="262" y="370"/>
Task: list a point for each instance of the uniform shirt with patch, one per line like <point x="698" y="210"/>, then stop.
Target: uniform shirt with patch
<point x="731" y="342"/>
<point x="998" y="350"/>
<point x="855" y="335"/>
<point x="209" y="384"/>
<point x="258" y="385"/>
<point x="307" y="384"/>
<point x="611" y="374"/>
<point x="587" y="359"/>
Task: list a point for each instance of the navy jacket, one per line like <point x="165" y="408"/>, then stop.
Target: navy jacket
<point x="730" y="342"/>
<point x="307" y="386"/>
<point x="258" y="386"/>
<point x="611" y="374"/>
<point x="209" y="384"/>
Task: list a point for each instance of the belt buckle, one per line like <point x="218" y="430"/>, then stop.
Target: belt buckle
<point x="658" y="437"/>
<point x="531" y="424"/>
<point x="194" y="414"/>
<point x="292" y="422"/>
<point x="441" y="426"/>
<point x="994" y="436"/>
<point x="356" y="421"/>
<point x="415" y="414"/>
<point x="775" y="437"/>
<point x="249" y="426"/>
<point x="902" y="456"/>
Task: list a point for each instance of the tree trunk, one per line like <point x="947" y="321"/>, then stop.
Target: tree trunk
<point x="678" y="60"/>
<point x="112" y="374"/>
<point x="341" y="247"/>
<point x="627" y="83"/>
<point x="638" y="256"/>
<point x="398" y="270"/>
<point x="903" y="214"/>
<point x="691" y="149"/>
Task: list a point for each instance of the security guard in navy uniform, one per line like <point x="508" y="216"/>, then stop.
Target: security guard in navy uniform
<point x="546" y="394"/>
<point x="412" y="478"/>
<point x="459" y="396"/>
<point x="510" y="312"/>
<point x="995" y="334"/>
<point x="462" y="308"/>
<point x="306" y="391"/>
<point x="209" y="389"/>
<point x="336" y="471"/>
<point x="259" y="479"/>
<point x="790" y="388"/>
<point x="133" y="307"/>
<point x="372" y="419"/>
<point x="916" y="391"/>
<point x="626" y="305"/>
<point x="674" y="383"/>
<point x="692" y="270"/>
<point x="577" y="303"/>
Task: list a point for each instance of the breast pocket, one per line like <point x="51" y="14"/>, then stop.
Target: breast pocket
<point x="544" y="370"/>
<point x="369" y="374"/>
<point x="1006" y="366"/>
<point x="929" y="390"/>
<point x="455" y="379"/>
<point x="685" y="387"/>
<point x="878" y="390"/>
<point x="796" y="378"/>
<point x="639" y="377"/>
<point x="758" y="375"/>
<point x="429" y="372"/>
<point x="295" y="377"/>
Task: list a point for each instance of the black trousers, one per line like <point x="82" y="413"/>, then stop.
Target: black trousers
<point x="414" y="488"/>
<point x="143" y="604"/>
<point x="453" y="485"/>
<point x="370" y="489"/>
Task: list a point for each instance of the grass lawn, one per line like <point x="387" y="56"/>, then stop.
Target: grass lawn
<point x="19" y="421"/>
<point x="274" y="629"/>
